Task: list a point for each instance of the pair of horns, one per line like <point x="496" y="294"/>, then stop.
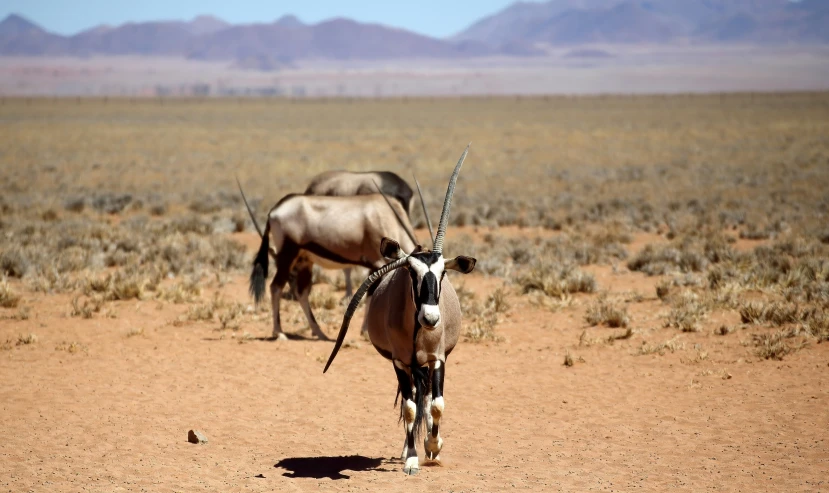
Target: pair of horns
<point x="401" y="261"/>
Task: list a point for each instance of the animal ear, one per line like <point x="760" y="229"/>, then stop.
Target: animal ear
<point x="390" y="248"/>
<point x="461" y="264"/>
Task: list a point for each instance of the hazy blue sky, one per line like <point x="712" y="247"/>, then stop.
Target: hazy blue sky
<point x="433" y="17"/>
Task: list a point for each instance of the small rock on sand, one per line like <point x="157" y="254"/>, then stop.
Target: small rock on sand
<point x="196" y="436"/>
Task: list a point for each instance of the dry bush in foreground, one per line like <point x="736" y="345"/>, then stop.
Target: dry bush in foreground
<point x="586" y="341"/>
<point x="483" y="317"/>
<point x="774" y="346"/>
<point x="604" y="312"/>
<point x="8" y="298"/>
<point x="687" y="312"/>
<point x="671" y="345"/>
<point x="554" y="279"/>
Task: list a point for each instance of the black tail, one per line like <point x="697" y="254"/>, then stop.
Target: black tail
<point x="260" y="267"/>
<point x="422" y="383"/>
<point x="421" y="375"/>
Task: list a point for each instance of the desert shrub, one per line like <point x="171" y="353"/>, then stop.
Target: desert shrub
<point x="110" y="203"/>
<point x="14" y="262"/>
<point x="604" y="312"/>
<point x="323" y="300"/>
<point x="8" y="298"/>
<point x="126" y="284"/>
<point x="660" y="260"/>
<point x="773" y="346"/>
<point x="554" y="279"/>
<point x="686" y="313"/>
<point x="671" y="345"/>
<point x="75" y="204"/>
<point x="183" y="291"/>
<point x="89" y="307"/>
<point x="663" y="289"/>
<point x="231" y="316"/>
<point x="483" y="317"/>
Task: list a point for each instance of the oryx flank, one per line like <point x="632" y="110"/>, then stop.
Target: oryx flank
<point x="413" y="318"/>
<point x="334" y="232"/>
<point x="345" y="183"/>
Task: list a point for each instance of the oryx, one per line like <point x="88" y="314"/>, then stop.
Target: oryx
<point x="334" y="232"/>
<point x="413" y="318"/>
<point x="344" y="183"/>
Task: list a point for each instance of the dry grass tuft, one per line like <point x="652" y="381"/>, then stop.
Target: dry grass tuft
<point x="484" y="318"/>
<point x="26" y="339"/>
<point x="671" y="345"/>
<point x="135" y="332"/>
<point x="774" y="346"/>
<point x="607" y="313"/>
<point x="72" y="347"/>
<point x="663" y="289"/>
<point x="323" y="300"/>
<point x="775" y="313"/>
<point x="184" y="291"/>
<point x="555" y="280"/>
<point x="586" y="341"/>
<point x="687" y="312"/>
<point x="659" y="260"/>
<point x="231" y="317"/>
<point x="8" y="298"/>
<point x="90" y="306"/>
<point x="202" y="312"/>
<point x="724" y="330"/>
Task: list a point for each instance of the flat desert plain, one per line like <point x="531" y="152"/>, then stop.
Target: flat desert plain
<point x="649" y="311"/>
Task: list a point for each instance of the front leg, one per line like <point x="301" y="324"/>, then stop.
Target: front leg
<point x="409" y="411"/>
<point x="433" y="443"/>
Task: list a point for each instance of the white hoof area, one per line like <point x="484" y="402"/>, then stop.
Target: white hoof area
<point x="433" y="447"/>
<point x="280" y="336"/>
<point x="412" y="467"/>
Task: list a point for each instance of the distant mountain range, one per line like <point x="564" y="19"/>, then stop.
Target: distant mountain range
<point x="521" y="29"/>
<point x="572" y="22"/>
<point x="208" y="38"/>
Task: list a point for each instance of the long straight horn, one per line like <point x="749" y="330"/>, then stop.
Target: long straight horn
<point x="355" y="301"/>
<point x="425" y="212"/>
<point x="399" y="219"/>
<point x="447" y="203"/>
<point x="250" y="211"/>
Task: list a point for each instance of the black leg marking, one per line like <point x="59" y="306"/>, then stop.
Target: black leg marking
<point x="437" y="391"/>
<point x="433" y="442"/>
<point x="404" y="381"/>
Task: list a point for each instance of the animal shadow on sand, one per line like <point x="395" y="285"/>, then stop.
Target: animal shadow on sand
<point x="330" y="467"/>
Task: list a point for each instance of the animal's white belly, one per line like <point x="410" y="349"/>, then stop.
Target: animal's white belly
<point x="328" y="264"/>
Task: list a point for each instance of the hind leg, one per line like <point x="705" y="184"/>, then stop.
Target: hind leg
<point x="349" y="291"/>
<point x="284" y="261"/>
<point x="304" y="277"/>
<point x="433" y="443"/>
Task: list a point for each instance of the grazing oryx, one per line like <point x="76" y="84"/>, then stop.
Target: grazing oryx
<point x="334" y="232"/>
<point x="345" y="183"/>
<point x="413" y="318"/>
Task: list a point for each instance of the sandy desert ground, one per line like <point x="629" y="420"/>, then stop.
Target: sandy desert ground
<point x="653" y="316"/>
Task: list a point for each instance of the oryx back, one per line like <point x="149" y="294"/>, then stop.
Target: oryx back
<point x="344" y="183"/>
<point x="337" y="231"/>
